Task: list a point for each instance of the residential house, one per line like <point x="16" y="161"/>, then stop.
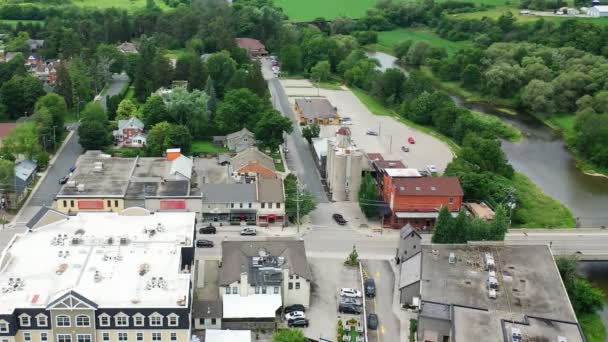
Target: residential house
<point x="254" y="47"/>
<point x="25" y="173"/>
<point x="345" y="163"/>
<point x="409" y="243"/>
<point x="271" y="196"/>
<point x="5" y="130"/>
<point x="235" y="203"/>
<point x="417" y="200"/>
<point x="207" y="306"/>
<point x="240" y="141"/>
<point x="130" y="133"/>
<point x="34" y="44"/>
<point x="598" y="11"/>
<point x="253" y="161"/>
<point x="127" y="48"/>
<point x="318" y="110"/>
<point x="257" y="278"/>
<point x="100" y="277"/>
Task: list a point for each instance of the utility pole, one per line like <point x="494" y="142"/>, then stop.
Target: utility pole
<point x="298" y="205"/>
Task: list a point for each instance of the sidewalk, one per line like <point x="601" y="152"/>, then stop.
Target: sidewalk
<point x="403" y="315"/>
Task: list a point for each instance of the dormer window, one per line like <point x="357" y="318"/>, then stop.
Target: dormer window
<point x="42" y="320"/>
<point x="24" y="320"/>
<point x="121" y="320"/>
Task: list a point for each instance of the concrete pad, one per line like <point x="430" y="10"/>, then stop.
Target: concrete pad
<point x="287" y="83"/>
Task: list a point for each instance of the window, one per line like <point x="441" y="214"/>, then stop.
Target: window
<point x="138" y="320"/>
<point x="263" y="205"/>
<point x="451" y="200"/>
<point x="65" y="203"/>
<point x="63" y="321"/>
<point x="84" y="338"/>
<point x="231" y="205"/>
<point x="139" y="336"/>
<point x="276" y="289"/>
<point x="122" y="336"/>
<point x="270" y="205"/>
<point x="27" y="336"/>
<point x="240" y="205"/>
<point x="104" y="320"/>
<point x="83" y="321"/>
<point x="105" y="336"/>
<point x="156" y="337"/>
<point x="156" y="320"/>
<point x="44" y="337"/>
<point x="121" y="320"/>
<point x="263" y="289"/>
<point x="297" y="285"/>
<point x="173" y="336"/>
<point x="71" y="206"/>
<point x="297" y="277"/>
<point x="64" y="338"/>
<point x="234" y="290"/>
<point x="213" y="321"/>
<point x="278" y="205"/>
<point x="24" y="320"/>
<point x="291" y="286"/>
<point x="109" y="203"/>
<point x="249" y="205"/>
<point x="227" y="290"/>
<point x="257" y="290"/>
<point x="173" y="320"/>
<point x="42" y="320"/>
<point x="116" y="203"/>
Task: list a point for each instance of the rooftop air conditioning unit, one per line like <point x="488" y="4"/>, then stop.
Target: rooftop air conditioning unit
<point x="452" y="258"/>
<point x="71" y="184"/>
<point x="80" y="187"/>
<point x="492" y="293"/>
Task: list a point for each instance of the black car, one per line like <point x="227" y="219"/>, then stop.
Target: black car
<point x="204" y="243"/>
<point x="349" y="308"/>
<point x="64" y="180"/>
<point x="372" y="321"/>
<point x="207" y="230"/>
<point x="295" y="307"/>
<point x="298" y="322"/>
<point x="339" y="219"/>
<point x="370" y="288"/>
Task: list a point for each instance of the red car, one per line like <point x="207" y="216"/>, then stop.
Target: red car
<point x="411" y="140"/>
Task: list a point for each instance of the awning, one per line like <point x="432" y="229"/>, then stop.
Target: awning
<point x="272" y="216"/>
<point x="242" y="211"/>
<point x="418" y="214"/>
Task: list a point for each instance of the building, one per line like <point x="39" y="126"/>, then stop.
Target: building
<point x="45" y="71"/>
<point x="5" y="130"/>
<point x="207" y="306"/>
<point x="130" y="133"/>
<point x="486" y="292"/>
<point x="253" y="161"/>
<point x="214" y="335"/>
<point x="104" y="183"/>
<point x="127" y="47"/>
<point x="320" y="146"/>
<point x="345" y="164"/>
<point x="409" y="240"/>
<point x="240" y="141"/>
<point x="254" y="47"/>
<point x="318" y="111"/>
<point x="271" y="196"/>
<point x="417" y="200"/>
<point x="99" y="277"/>
<point x="598" y="11"/>
<point x="380" y="168"/>
<point x="34" y="44"/>
<point x="25" y="173"/>
<point x="257" y="278"/>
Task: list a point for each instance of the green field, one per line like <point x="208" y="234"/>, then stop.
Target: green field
<point x="501" y="8"/>
<point x="203" y="146"/>
<point x="388" y="39"/>
<point x="130" y="5"/>
<point x="309" y="10"/>
<point x="593" y="328"/>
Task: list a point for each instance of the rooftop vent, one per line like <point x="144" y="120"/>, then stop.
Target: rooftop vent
<point x="97" y="277"/>
<point x="452" y="258"/>
<point x="143" y="269"/>
<point x="561" y="339"/>
<point x="124" y="241"/>
<point x="417" y="188"/>
<point x="61" y="268"/>
<point x="14" y="284"/>
<point x="75" y="240"/>
<point x="156" y="283"/>
<point x="433" y="188"/>
<point x="80" y="187"/>
<point x="489" y="261"/>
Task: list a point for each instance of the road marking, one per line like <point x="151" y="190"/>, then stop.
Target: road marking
<point x="378" y="274"/>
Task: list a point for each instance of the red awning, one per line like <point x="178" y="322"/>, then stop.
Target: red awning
<point x="90" y="204"/>
<point x="272" y="216"/>
<point x="168" y="205"/>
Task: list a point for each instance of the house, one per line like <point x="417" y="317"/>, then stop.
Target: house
<point x="207" y="306"/>
<point x="240" y="141"/>
<point x="100" y="277"/>
<point x="487" y="292"/>
<point x="34" y="44"/>
<point x="344" y="165"/>
<point x="235" y="203"/>
<point x="130" y="133"/>
<point x="417" y="200"/>
<point x="5" y="130"/>
<point x="254" y="47"/>
<point x="219" y="140"/>
<point x="258" y="277"/>
<point x="409" y="243"/>
<point x="598" y="11"/>
<point x="319" y="111"/>
<point x="127" y="47"/>
<point x="271" y="196"/>
<point x="253" y="161"/>
<point x="25" y="173"/>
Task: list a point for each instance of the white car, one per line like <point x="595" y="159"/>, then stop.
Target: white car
<point x="294" y="314"/>
<point x="248" y="231"/>
<point x="431" y="168"/>
<point x="351" y="293"/>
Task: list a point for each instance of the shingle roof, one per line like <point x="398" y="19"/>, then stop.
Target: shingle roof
<point x="251" y="155"/>
<point x="316" y="108"/>
<point x="24" y="169"/>
<point x="250" y="44"/>
<point x="240" y="133"/>
<point x="225" y="193"/>
<point x="131" y="122"/>
<point x="410" y="270"/>
<point x="389" y="164"/>
<point x="428" y="186"/>
<point x="40" y="214"/>
<point x="182" y="165"/>
<point x="270" y="190"/>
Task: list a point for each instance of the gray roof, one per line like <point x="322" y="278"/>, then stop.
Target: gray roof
<point x="316" y="108"/>
<point x="40" y="214"/>
<point x="127" y="47"/>
<point x="407" y="230"/>
<point x="25" y="169"/>
<point x="410" y="270"/>
<point x="34" y="43"/>
<point x="252" y="155"/>
<point x="182" y="165"/>
<point x="131" y="122"/>
<point x="207" y="309"/>
<point x="219" y="138"/>
<point x="239" y="134"/>
<point x="237" y="254"/>
<point x="226" y="193"/>
<point x="270" y="190"/>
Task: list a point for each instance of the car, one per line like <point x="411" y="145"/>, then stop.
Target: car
<point x="411" y="140"/>
<point x="351" y="301"/>
<point x="346" y="123"/>
<point x="349" y="308"/>
<point x="64" y="180"/>
<point x="370" y="288"/>
<point x="207" y="230"/>
<point x="294" y="315"/>
<point x="431" y="168"/>
<point x="248" y="231"/>
<point x="371" y="132"/>
<point x="294" y="307"/>
<point x="348" y="292"/>
<point x="372" y="321"/>
<point x="298" y="322"/>
<point x="204" y="243"/>
<point x="424" y="173"/>
<point x="274" y="63"/>
<point x="285" y="149"/>
<point x="405" y="149"/>
<point x="72" y="169"/>
<point x="339" y="219"/>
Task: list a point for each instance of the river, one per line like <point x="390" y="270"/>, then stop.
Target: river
<point x="542" y="156"/>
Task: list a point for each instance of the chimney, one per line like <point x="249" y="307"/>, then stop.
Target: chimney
<point x="173" y="153"/>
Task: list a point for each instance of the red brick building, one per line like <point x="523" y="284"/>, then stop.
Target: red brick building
<point x="417" y="200"/>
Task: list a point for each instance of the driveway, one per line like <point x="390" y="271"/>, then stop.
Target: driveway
<point x="119" y="81"/>
<point x="382" y="273"/>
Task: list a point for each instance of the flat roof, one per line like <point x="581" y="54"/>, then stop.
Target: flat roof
<point x="410" y="270"/>
<point x="538" y="329"/>
<point x="86" y="254"/>
<point x="316" y="108"/>
<point x="216" y="335"/>
<point x="401" y="172"/>
<point x="252" y="306"/>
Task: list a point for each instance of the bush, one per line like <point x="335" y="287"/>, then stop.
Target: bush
<point x="353" y="258"/>
<point x="413" y="329"/>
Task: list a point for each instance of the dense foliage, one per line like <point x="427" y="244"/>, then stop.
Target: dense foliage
<point x="585" y="298"/>
<point x="463" y="228"/>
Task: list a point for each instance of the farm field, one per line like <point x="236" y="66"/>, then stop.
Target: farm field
<point x="388" y="39"/>
<point x="130" y="5"/>
<point x="311" y="9"/>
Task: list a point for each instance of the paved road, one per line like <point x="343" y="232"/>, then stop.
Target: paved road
<point x="382" y="304"/>
<point x="119" y="81"/>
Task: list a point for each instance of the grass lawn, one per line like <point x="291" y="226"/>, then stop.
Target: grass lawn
<point x="279" y="166"/>
<point x="13" y="23"/>
<point x="536" y="209"/>
<point x="563" y="123"/>
<point x="502" y="7"/>
<point x="130" y="5"/>
<point x="298" y="10"/>
<point x="328" y="85"/>
<point x="205" y="146"/>
<point x="593" y="328"/>
<point x="388" y="39"/>
<point x="500" y="128"/>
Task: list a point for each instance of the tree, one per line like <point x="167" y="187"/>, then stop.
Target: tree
<point x="305" y="199"/>
<point x="7" y="175"/>
<point x="270" y="129"/>
<point x="19" y="94"/>
<point x="239" y="108"/>
<point x="164" y="135"/>
<point x="538" y="96"/>
<point x="210" y="91"/>
<point x="93" y="135"/>
<point x="353" y="258"/>
<point x="24" y="139"/>
<point x="442" y="229"/>
<point x="486" y="154"/>
<point x="471" y="77"/>
<point x="63" y="84"/>
<point x="94" y="112"/>
<point x="311" y="131"/>
<point x="321" y="71"/>
<point x="288" y="335"/>
<point x="82" y="89"/>
<point x="190" y="109"/>
<point x="44" y="127"/>
<point x="584" y="297"/>
<point x="291" y="59"/>
<point x="418" y="53"/>
<point x="221" y="67"/>
<point x="154" y="111"/>
<point x="57" y="107"/>
<point x="126" y="109"/>
<point x="368" y="197"/>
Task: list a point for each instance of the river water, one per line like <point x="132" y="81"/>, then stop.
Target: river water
<point x="542" y="156"/>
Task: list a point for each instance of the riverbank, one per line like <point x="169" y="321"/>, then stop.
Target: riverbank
<point x="593" y="327"/>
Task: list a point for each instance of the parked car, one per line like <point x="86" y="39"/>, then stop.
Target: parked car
<point x="207" y="230"/>
<point x="431" y="168"/>
<point x="64" y="180"/>
<point x="370" y="288"/>
<point x="405" y="149"/>
<point x="248" y="231"/>
<point x="294" y="307"/>
<point x="204" y="243"/>
<point x="349" y="308"/>
<point x="285" y="149"/>
<point x="339" y="219"/>
<point x="351" y="301"/>
<point x="294" y="315"/>
<point x="371" y="132"/>
<point x="298" y="322"/>
<point x="411" y="140"/>
<point x="72" y="169"/>
<point x="348" y="292"/>
<point x="372" y="321"/>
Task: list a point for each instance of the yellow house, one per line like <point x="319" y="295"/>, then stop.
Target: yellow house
<point x="319" y="111"/>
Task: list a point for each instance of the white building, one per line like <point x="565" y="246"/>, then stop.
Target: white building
<point x="598" y="11"/>
<point x="99" y="277"/>
<point x="344" y="165"/>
